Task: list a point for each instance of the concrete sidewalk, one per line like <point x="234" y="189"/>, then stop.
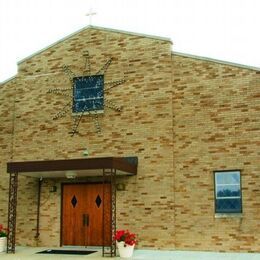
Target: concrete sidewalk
<point x="29" y="253"/>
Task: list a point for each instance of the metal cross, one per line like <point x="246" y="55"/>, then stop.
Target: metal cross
<point x="90" y="14"/>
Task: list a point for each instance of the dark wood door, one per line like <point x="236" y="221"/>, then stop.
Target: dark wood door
<point x="82" y="214"/>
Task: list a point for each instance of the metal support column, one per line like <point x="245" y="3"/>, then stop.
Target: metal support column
<point x="111" y="177"/>
<point x="113" y="211"/>
<point x="13" y="184"/>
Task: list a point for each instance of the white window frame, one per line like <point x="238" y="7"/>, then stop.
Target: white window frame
<point x="216" y="184"/>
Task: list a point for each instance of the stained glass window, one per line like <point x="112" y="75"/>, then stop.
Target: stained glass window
<point x="228" y="197"/>
<point x="88" y="93"/>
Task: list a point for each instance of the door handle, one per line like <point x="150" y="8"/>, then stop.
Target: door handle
<point x="85" y="220"/>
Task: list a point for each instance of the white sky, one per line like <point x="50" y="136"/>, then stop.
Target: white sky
<point x="221" y="29"/>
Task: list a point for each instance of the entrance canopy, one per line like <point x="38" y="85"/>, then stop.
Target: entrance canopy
<point x="107" y="167"/>
<point x="74" y="167"/>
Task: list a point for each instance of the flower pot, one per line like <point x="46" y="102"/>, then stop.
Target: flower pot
<point x="3" y="244"/>
<point x="125" y="251"/>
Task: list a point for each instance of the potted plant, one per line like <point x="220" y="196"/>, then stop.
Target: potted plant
<point x="3" y="235"/>
<point x="126" y="242"/>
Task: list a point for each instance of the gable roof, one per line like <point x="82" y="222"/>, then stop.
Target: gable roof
<point x="133" y="34"/>
<point x="196" y="57"/>
<point x="95" y="28"/>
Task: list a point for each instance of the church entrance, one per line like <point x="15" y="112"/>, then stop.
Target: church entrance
<point x="83" y="206"/>
<point x="88" y="210"/>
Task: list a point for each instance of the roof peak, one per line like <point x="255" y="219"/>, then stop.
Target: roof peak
<point x="94" y="28"/>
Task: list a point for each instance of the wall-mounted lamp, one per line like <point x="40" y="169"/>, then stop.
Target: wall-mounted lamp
<point x="86" y="153"/>
<point x="120" y="186"/>
<point x="53" y="188"/>
<point x="71" y="175"/>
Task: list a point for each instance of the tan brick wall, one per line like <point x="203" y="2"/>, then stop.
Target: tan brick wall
<point x="143" y="129"/>
<point x="216" y="123"/>
<point x="6" y="117"/>
<point x="182" y="117"/>
<point x="50" y="214"/>
<point x="27" y="196"/>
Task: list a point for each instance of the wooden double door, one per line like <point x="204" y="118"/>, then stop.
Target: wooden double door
<point x="82" y="214"/>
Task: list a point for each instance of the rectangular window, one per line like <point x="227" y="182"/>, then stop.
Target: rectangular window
<point x="88" y="94"/>
<point x="228" y="197"/>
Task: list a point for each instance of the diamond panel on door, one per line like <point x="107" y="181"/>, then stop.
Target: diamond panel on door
<point x="74" y="201"/>
<point x="98" y="201"/>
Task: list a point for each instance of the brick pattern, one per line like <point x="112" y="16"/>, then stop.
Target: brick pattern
<point x="143" y="128"/>
<point x="182" y="117"/>
<point x="6" y="116"/>
<point x="216" y="126"/>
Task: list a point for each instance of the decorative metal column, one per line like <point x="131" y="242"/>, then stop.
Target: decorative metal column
<point x="113" y="211"/>
<point x="13" y="184"/>
<point x="110" y="176"/>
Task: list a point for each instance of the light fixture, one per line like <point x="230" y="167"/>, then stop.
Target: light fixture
<point x="120" y="186"/>
<point x="86" y="152"/>
<point x="53" y="188"/>
<point x="71" y="175"/>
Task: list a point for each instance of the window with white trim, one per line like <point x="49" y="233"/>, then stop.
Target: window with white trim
<point x="228" y="196"/>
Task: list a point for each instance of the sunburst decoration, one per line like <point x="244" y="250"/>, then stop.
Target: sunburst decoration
<point x="68" y="92"/>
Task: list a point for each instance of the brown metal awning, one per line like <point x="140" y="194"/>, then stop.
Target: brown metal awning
<point x="81" y="167"/>
<point x="107" y="167"/>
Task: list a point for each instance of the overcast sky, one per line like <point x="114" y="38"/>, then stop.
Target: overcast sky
<point x="221" y="29"/>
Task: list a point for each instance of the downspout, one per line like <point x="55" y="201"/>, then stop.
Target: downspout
<point x="38" y="209"/>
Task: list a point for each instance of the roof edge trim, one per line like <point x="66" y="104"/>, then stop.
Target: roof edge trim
<point x="121" y="163"/>
<point x="7" y="80"/>
<point x="216" y="61"/>
<point x="133" y="33"/>
<point x="95" y="28"/>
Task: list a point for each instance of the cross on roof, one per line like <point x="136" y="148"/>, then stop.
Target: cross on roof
<point x="90" y="14"/>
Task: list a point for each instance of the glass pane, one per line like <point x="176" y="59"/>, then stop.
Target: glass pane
<point x="227" y="177"/>
<point x="228" y="191"/>
<point x="88" y="93"/>
<point x="228" y="206"/>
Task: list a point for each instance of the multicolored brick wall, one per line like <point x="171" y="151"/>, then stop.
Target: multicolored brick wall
<point x="6" y="118"/>
<point x="182" y="117"/>
<point x="143" y="129"/>
<point x="216" y="126"/>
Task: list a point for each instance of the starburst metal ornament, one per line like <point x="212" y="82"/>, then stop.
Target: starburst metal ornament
<point x="87" y="94"/>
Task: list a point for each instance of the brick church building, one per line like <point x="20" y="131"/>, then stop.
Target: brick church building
<point x="109" y="130"/>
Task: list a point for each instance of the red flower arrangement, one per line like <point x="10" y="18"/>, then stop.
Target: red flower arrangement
<point x="3" y="231"/>
<point x="126" y="237"/>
